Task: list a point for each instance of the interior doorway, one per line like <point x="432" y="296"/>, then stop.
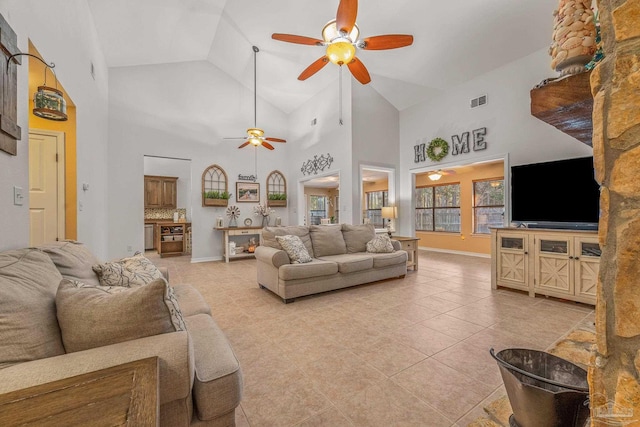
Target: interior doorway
<point x="377" y="190"/>
<point x="321" y="202"/>
<point x="46" y="186"/>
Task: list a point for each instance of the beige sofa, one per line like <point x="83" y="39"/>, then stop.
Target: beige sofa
<point x="200" y="380"/>
<point x="339" y="260"/>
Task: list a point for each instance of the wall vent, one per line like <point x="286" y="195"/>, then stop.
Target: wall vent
<point x="479" y="101"/>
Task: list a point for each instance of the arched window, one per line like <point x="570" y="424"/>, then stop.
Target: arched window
<point x="215" y="190"/>
<point x="276" y="190"/>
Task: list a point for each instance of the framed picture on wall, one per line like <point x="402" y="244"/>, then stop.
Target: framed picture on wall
<point x="248" y="192"/>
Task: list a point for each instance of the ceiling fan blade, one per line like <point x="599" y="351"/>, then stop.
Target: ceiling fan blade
<point x="267" y="145"/>
<point x="388" y="41"/>
<point x="238" y="137"/>
<point x="292" y="38"/>
<point x="244" y="144"/>
<point x="346" y="15"/>
<point x="275" y="139"/>
<point x="313" y="68"/>
<point x="359" y="71"/>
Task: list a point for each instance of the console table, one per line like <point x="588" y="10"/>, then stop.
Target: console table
<point x="409" y="244"/>
<point x="236" y="234"/>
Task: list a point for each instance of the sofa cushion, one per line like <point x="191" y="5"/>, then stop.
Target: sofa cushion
<point x="350" y="263"/>
<point x="388" y="259"/>
<point x="269" y="236"/>
<point x="190" y="300"/>
<point x="294" y="248"/>
<point x="327" y="240"/>
<point x="95" y="316"/>
<point x="380" y="244"/>
<point x="217" y="388"/>
<point x="73" y="259"/>
<point x="315" y="268"/>
<point x="131" y="271"/>
<point x="28" y="324"/>
<point x="357" y="236"/>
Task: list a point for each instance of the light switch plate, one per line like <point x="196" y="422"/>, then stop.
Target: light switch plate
<point x="17" y="196"/>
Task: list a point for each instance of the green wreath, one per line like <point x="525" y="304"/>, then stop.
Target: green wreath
<point x="434" y="145"/>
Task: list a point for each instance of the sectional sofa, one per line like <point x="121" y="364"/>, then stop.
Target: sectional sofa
<point x="339" y="260"/>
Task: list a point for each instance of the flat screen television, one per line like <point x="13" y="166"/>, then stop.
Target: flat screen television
<point x="562" y="194"/>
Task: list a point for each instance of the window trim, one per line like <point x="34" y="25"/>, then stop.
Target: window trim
<point x="434" y="208"/>
<point x="474" y="207"/>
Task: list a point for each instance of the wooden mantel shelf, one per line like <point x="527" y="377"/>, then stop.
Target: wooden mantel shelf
<point x="567" y="105"/>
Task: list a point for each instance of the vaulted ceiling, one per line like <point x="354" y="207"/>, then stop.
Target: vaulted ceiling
<point x="454" y="40"/>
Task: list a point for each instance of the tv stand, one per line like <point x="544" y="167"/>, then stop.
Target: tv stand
<point x="558" y="263"/>
<point x="585" y="226"/>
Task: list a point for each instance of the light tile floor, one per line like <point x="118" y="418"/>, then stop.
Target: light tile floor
<point x="404" y="352"/>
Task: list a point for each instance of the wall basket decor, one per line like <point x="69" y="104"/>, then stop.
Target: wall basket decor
<point x="317" y="164"/>
<point x="276" y="190"/>
<point x="10" y="132"/>
<point x="215" y="190"/>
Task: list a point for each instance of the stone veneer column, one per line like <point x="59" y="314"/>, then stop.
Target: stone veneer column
<point x="615" y="83"/>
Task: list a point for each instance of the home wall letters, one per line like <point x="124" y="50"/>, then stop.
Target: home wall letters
<point x="460" y="144"/>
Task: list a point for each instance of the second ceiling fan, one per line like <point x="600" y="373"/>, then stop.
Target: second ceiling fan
<point x="340" y="36"/>
<point x="255" y="136"/>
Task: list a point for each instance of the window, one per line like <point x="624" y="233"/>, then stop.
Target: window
<point x="438" y="208"/>
<point x="317" y="209"/>
<point x="374" y="202"/>
<point x="488" y="205"/>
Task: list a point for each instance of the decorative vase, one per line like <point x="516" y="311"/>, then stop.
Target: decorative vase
<point x="574" y="34"/>
<point x="265" y="221"/>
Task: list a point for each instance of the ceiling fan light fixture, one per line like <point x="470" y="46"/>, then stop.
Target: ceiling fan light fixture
<point x="330" y="33"/>
<point x="434" y="176"/>
<point x="255" y="132"/>
<point x="341" y="52"/>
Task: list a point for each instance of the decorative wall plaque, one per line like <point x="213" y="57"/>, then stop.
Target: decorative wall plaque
<point x="317" y="164"/>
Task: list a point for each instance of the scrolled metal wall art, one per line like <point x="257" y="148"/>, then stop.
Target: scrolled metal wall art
<point x="317" y="164"/>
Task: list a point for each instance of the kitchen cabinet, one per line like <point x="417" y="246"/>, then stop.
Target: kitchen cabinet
<point x="172" y="238"/>
<point x="160" y="191"/>
<point x="558" y="263"/>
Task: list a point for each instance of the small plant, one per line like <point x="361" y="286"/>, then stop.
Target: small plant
<point x="277" y="196"/>
<point x="217" y="195"/>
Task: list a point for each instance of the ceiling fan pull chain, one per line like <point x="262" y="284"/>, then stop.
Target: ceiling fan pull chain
<point x="340" y="97"/>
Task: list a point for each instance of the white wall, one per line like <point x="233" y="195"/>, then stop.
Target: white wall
<point x="162" y="166"/>
<point x="64" y="33"/>
<point x="376" y="137"/>
<point x="183" y="110"/>
<point x="510" y="126"/>
<point x="326" y="137"/>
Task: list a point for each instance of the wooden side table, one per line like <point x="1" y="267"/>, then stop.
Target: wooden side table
<point x="230" y="232"/>
<point x="409" y="244"/>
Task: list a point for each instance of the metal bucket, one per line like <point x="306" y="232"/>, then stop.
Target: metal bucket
<point x="544" y="390"/>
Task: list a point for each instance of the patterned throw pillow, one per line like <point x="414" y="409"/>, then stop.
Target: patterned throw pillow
<point x="294" y="247"/>
<point x="381" y="244"/>
<point x="94" y="316"/>
<point x="132" y="271"/>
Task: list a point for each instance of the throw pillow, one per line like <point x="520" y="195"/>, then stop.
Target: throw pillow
<point x="28" y="325"/>
<point x="269" y="236"/>
<point x="94" y="316"/>
<point x="132" y="271"/>
<point x="381" y="244"/>
<point x="294" y="247"/>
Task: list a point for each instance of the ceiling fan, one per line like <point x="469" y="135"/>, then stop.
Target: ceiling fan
<point x="340" y="36"/>
<point x="255" y="136"/>
<point x="437" y="174"/>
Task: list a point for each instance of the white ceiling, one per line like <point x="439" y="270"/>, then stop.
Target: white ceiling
<point x="454" y="40"/>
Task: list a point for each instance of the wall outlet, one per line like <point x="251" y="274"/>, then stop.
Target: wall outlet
<point x="18" y="198"/>
<point x="129" y="248"/>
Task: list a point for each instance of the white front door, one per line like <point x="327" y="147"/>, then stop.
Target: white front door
<point x="46" y="187"/>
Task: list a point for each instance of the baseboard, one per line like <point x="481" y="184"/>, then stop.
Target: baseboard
<point x="450" y="251"/>
<point x="208" y="259"/>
